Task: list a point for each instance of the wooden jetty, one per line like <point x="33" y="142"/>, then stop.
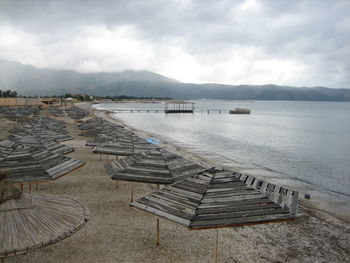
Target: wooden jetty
<point x="32" y="221"/>
<point x="179" y="106"/>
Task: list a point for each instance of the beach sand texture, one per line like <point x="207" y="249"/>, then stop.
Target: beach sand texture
<point x="118" y="233"/>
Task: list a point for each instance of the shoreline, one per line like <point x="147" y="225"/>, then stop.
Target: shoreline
<point x="331" y="208"/>
<point x="117" y="233"/>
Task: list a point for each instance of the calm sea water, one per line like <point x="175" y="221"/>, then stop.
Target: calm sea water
<point x="305" y="142"/>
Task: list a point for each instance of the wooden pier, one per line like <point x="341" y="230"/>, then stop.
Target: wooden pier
<point x="163" y="111"/>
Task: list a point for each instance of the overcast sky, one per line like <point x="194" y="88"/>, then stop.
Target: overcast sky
<point x="298" y="43"/>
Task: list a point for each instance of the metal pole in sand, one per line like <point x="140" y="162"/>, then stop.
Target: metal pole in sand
<point x="30" y="187"/>
<point x="158" y="230"/>
<point x="100" y="156"/>
<point x="2" y="260"/>
<point x="37" y="186"/>
<point x="132" y="193"/>
<point x="216" y="247"/>
<point x="22" y="187"/>
<point x="116" y="184"/>
<point x="157" y="235"/>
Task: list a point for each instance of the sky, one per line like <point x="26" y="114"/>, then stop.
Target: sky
<point x="283" y="42"/>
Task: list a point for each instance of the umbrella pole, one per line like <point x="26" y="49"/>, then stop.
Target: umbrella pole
<point x="37" y="186"/>
<point x="157" y="235"/>
<point x="2" y="260"/>
<point x="107" y="157"/>
<point x="22" y="187"/>
<point x="100" y="156"/>
<point x="132" y="193"/>
<point x="116" y="184"/>
<point x="30" y="187"/>
<point x="216" y="247"/>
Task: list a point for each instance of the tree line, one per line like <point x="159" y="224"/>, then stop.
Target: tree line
<point x="8" y="94"/>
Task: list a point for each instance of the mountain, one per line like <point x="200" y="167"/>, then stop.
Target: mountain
<point x="29" y="80"/>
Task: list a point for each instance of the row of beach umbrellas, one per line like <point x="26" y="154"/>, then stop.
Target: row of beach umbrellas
<point x="194" y="196"/>
<point x="33" y="154"/>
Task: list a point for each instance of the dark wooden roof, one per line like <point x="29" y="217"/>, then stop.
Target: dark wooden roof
<point x="77" y="113"/>
<point x="28" y="164"/>
<point x="33" y="221"/>
<point x="47" y="143"/>
<point x="125" y="146"/>
<point x="218" y="198"/>
<point x="154" y="166"/>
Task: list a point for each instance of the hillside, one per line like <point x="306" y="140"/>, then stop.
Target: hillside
<point x="28" y="80"/>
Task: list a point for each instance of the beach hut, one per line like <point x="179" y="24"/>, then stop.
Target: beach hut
<point x="32" y="221"/>
<point x="24" y="164"/>
<point x="156" y="166"/>
<point x="219" y="198"/>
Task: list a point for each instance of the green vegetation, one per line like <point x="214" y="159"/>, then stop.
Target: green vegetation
<point x="8" y="94"/>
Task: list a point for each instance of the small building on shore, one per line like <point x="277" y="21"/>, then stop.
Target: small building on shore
<point x="179" y="106"/>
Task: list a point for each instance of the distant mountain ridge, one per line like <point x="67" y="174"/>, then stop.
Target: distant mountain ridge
<point x="29" y="80"/>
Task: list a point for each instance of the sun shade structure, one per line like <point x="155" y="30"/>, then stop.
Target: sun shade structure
<point x="38" y="142"/>
<point x="156" y="166"/>
<point x="101" y="139"/>
<point x="24" y="164"/>
<point x="219" y="198"/>
<point x="125" y="146"/>
<point x="31" y="221"/>
<point x="77" y="113"/>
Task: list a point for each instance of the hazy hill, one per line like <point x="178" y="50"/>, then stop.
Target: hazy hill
<point x="28" y="80"/>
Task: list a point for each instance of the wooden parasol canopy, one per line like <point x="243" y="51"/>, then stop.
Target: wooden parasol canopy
<point x="125" y="146"/>
<point x="47" y="143"/>
<point x="219" y="198"/>
<point x="157" y="166"/>
<point x="25" y="164"/>
<point x="31" y="221"/>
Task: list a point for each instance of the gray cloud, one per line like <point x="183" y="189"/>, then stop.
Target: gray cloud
<point x="283" y="42"/>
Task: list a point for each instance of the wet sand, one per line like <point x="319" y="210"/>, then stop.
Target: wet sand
<point x="117" y="233"/>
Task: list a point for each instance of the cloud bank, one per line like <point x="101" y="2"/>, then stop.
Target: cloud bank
<point x="299" y="43"/>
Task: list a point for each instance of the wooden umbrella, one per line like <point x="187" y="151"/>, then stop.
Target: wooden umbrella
<point x="156" y="166"/>
<point x="31" y="221"/>
<point x="47" y="143"/>
<point x="125" y="146"/>
<point x="25" y="164"/>
<point x="219" y="198"/>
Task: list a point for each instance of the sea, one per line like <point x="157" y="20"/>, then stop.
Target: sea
<point x="302" y="145"/>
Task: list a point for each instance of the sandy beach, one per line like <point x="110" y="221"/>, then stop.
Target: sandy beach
<point x="117" y="233"/>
